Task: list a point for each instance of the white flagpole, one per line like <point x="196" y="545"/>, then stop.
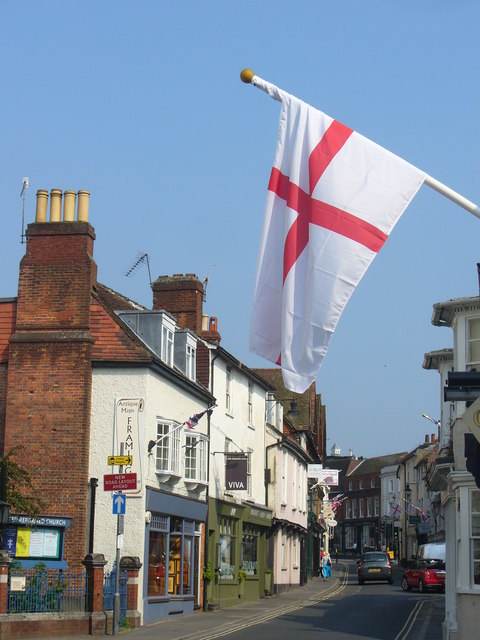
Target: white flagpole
<point x="274" y="92"/>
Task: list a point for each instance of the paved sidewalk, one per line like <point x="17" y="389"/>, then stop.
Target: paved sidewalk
<point x="204" y="625"/>
<point x="213" y="624"/>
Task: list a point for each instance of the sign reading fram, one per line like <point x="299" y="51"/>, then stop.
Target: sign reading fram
<point x="129" y="417"/>
<point x="236" y="471"/>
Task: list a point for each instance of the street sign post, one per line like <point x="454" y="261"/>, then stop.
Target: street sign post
<point x="120" y="460"/>
<point x="119" y="481"/>
<point x="119" y="504"/>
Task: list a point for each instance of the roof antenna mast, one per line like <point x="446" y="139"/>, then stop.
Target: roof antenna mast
<point x="140" y="260"/>
<point x="25" y="185"/>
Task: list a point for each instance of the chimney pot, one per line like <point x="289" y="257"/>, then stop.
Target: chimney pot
<point x="55" y="205"/>
<point x="83" y="201"/>
<point x="69" y="206"/>
<point x="204" y="322"/>
<point x="427" y="438"/>
<point x="42" y="200"/>
<point x="432" y="438"/>
<point x="213" y="324"/>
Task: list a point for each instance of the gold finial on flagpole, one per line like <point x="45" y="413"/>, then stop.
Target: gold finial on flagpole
<point x="246" y="75"/>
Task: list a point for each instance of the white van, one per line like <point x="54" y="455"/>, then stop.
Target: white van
<point x="431" y="551"/>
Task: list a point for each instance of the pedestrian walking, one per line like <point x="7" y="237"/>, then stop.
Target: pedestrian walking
<point x="327" y="567"/>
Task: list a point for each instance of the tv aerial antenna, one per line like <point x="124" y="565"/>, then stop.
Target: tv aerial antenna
<point x="141" y="259"/>
<point x="205" y="282"/>
<point x="25" y="185"/>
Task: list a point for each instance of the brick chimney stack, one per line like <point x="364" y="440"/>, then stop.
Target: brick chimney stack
<point x="182" y="295"/>
<point x="49" y="366"/>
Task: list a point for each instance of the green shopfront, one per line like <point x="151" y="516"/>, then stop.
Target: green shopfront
<point x="236" y="551"/>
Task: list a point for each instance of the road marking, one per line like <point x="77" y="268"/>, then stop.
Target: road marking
<point x="407" y="627"/>
<point x="275" y="614"/>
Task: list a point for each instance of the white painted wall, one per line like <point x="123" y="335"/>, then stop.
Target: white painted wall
<point x="162" y="400"/>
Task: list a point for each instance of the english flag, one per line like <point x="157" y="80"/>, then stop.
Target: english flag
<point x="333" y="198"/>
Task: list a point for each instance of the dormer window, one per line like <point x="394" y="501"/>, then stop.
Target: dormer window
<point x="168" y="328"/>
<point x="190" y="363"/>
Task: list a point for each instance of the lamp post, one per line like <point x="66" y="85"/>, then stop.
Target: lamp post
<point x="407" y="492"/>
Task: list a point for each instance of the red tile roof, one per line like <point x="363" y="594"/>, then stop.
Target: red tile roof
<point x="8" y="314"/>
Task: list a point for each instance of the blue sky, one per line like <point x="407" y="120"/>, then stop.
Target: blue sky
<point x="141" y="104"/>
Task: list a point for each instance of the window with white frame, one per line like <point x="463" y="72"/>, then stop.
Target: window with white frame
<point x="295" y="552"/>
<point x="369" y="507"/>
<point x="372" y="483"/>
<point x="376" y="506"/>
<point x="167" y="457"/>
<point x="360" y="509"/>
<point x="294" y="492"/>
<point x="354" y="508"/>
<point x="195" y="457"/>
<point x="473" y="343"/>
<point x="190" y="362"/>
<point x="250" y="404"/>
<point x="360" y="484"/>
<point x="284" y="477"/>
<point x="168" y="329"/>
<point x="284" y="550"/>
<point x="348" y="509"/>
<point x="249" y="471"/>
<point x="228" y="390"/>
<point x="350" y="486"/>
<point x="475" y="537"/>
<point x="390" y="485"/>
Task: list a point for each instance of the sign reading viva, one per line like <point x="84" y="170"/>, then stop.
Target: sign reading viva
<point x="129" y="416"/>
<point x="235" y="472"/>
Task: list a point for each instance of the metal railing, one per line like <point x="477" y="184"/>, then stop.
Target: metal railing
<point x="42" y="590"/>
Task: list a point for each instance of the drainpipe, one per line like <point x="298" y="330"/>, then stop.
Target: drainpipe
<point x="205" y="542"/>
<point x="93" y="494"/>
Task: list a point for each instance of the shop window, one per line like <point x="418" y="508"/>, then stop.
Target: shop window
<point x="226" y="548"/>
<point x="249" y="550"/>
<point x="157" y="564"/>
<point x="170" y="558"/>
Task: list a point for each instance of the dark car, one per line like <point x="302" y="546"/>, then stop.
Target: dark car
<point x="426" y="575"/>
<point x="374" y="565"/>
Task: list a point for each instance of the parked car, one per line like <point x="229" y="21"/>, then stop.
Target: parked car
<point x="374" y="565"/>
<point x="428" y="572"/>
<point x="426" y="575"/>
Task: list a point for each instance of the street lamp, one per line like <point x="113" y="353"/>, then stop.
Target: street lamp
<point x="407" y="491"/>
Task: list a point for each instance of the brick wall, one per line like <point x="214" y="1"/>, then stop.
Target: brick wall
<point x="49" y="371"/>
<point x="181" y="295"/>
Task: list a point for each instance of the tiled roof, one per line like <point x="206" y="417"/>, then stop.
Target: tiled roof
<point x="275" y="378"/>
<point x="374" y="465"/>
<point x="8" y="314"/>
<point x="113" y="342"/>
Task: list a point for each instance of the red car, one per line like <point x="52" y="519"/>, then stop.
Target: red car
<point x="426" y="575"/>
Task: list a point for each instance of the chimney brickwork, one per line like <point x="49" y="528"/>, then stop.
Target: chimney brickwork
<point x="181" y="295"/>
<point x="49" y="371"/>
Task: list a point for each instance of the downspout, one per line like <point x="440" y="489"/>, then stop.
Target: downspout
<point x="93" y="494"/>
<point x="205" y="542"/>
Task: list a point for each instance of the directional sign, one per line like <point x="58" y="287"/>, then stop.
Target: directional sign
<point x="120" y="460"/>
<point x="120" y="482"/>
<point x="119" y="504"/>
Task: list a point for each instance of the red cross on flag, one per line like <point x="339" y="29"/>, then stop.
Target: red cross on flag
<point x="333" y="198"/>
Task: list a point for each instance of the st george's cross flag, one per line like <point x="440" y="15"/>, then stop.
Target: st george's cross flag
<point x="333" y="198"/>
